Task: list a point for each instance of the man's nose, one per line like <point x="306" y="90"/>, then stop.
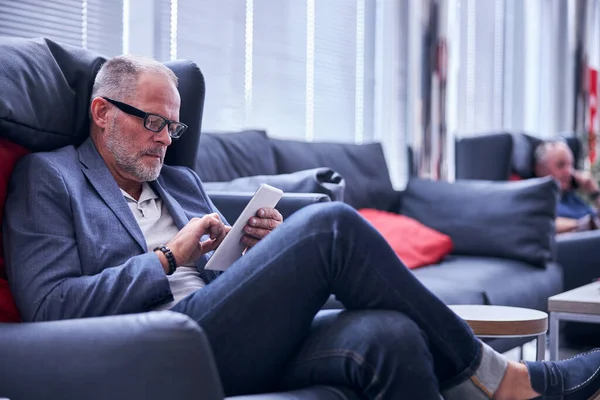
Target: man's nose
<point x="163" y="136"/>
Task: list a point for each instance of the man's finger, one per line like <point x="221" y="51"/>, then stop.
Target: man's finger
<point x="263" y="223"/>
<point x="208" y="245"/>
<point x="254" y="232"/>
<point x="249" y="240"/>
<point x="270" y="213"/>
<point x="216" y="231"/>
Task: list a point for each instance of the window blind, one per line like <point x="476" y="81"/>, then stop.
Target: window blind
<point x="93" y="24"/>
<point x="298" y="69"/>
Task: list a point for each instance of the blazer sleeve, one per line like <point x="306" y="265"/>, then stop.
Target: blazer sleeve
<point x="43" y="259"/>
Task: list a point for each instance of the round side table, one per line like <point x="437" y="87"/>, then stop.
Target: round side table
<point x="505" y="322"/>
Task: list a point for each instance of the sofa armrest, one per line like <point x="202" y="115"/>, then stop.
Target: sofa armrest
<point x="578" y="254"/>
<point x="231" y="204"/>
<point x="157" y="355"/>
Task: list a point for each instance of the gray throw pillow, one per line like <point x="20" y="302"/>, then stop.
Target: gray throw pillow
<point x="316" y="180"/>
<point x="514" y="220"/>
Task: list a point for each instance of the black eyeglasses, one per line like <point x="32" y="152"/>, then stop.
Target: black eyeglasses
<point x="152" y="122"/>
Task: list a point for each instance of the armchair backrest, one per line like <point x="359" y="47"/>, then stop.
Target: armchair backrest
<point x="523" y="156"/>
<point x="46" y="88"/>
<point x="504" y="155"/>
<point x="485" y="157"/>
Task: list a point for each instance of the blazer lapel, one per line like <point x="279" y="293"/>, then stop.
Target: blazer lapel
<point x="97" y="173"/>
<point x="177" y="213"/>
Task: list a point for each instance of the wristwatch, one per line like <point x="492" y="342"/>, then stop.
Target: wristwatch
<point x="170" y="258"/>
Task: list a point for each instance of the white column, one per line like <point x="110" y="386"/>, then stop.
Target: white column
<point x="141" y="27"/>
<point x="390" y="87"/>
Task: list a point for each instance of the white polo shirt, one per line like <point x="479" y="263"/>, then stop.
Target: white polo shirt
<point x="158" y="228"/>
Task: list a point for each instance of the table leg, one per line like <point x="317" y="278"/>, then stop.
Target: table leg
<point x="541" y="347"/>
<point x="554" y="333"/>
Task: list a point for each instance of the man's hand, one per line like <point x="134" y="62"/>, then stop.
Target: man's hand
<point x="261" y="225"/>
<point x="586" y="181"/>
<point x="186" y="245"/>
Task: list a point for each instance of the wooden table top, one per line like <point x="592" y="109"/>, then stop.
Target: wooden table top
<point x="582" y="300"/>
<point x="486" y="320"/>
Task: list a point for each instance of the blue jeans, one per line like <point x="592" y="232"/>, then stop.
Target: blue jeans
<point x="260" y="317"/>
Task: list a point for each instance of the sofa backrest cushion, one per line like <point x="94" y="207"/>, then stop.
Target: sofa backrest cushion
<point x="512" y="220"/>
<point x="226" y="156"/>
<point x="363" y="166"/>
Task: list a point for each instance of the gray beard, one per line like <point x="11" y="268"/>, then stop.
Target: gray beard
<point x="127" y="160"/>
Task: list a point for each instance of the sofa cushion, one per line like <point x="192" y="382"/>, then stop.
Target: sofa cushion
<point x="317" y="180"/>
<point x="226" y="156"/>
<point x="415" y="244"/>
<point x="46" y="89"/>
<point x="499" y="281"/>
<point x="452" y="292"/>
<point x="512" y="220"/>
<point x="363" y="167"/>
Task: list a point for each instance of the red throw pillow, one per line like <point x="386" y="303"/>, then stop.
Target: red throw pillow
<point x="416" y="244"/>
<point x="8" y="309"/>
<point x="10" y="153"/>
<point x="515" y="177"/>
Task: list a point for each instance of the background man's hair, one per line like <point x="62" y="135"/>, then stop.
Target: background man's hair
<point x="117" y="78"/>
<point x="542" y="149"/>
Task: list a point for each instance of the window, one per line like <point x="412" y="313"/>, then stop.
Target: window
<point x="92" y="24"/>
<point x="298" y="69"/>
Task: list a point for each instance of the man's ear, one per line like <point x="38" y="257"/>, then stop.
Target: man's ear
<point x="99" y="112"/>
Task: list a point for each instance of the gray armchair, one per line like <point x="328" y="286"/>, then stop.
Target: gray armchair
<point x="157" y="355"/>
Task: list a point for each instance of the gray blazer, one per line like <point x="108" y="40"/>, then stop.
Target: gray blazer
<point x="73" y="247"/>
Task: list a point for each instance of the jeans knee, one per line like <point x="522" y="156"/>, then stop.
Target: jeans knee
<point x="333" y="213"/>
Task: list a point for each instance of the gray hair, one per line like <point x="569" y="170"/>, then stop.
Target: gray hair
<point x="117" y="78"/>
<point x="541" y="151"/>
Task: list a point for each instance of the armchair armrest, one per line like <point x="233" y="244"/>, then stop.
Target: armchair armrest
<point x="579" y="255"/>
<point x="231" y="204"/>
<point x="157" y="355"/>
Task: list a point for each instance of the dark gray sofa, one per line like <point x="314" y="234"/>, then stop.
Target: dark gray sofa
<point x="229" y="161"/>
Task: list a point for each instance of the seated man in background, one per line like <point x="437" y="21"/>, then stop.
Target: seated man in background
<point x="573" y="213"/>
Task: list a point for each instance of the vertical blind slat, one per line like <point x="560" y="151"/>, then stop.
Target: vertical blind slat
<point x="94" y="24"/>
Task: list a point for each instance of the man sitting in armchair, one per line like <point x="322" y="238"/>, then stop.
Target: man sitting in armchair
<point x="573" y="213"/>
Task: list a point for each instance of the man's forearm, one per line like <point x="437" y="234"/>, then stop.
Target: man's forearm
<point x="565" y="225"/>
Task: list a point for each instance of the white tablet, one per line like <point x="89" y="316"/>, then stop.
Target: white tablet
<point x="231" y="248"/>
